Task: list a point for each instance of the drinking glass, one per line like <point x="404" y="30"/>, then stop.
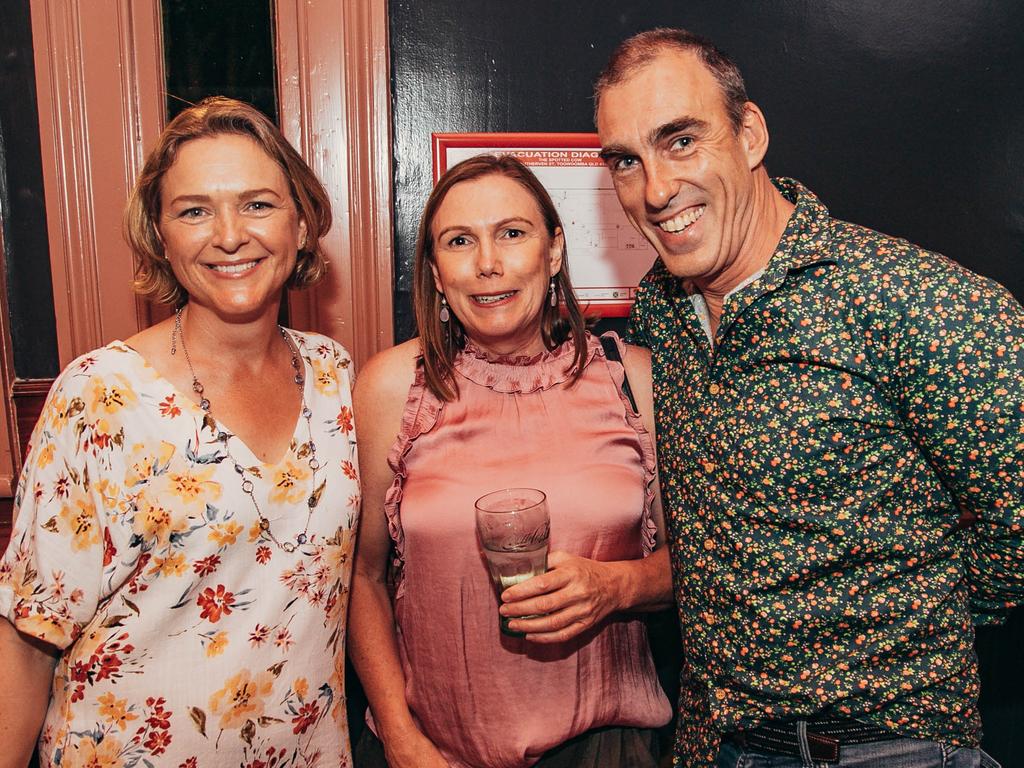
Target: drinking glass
<point x="513" y="525"/>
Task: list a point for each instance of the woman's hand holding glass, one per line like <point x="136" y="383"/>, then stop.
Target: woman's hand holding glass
<point x="574" y="595"/>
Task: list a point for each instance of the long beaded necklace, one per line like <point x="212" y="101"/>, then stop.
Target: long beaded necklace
<point x="224" y="437"/>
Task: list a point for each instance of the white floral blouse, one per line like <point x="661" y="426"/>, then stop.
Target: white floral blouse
<point x="189" y="637"/>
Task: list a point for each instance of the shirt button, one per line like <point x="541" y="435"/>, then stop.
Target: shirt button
<point x="714" y="389"/>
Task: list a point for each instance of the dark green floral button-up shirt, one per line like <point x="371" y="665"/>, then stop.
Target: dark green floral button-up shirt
<point x="862" y="401"/>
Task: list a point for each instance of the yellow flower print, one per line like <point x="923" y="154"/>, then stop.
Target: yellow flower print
<point x="184" y="488"/>
<point x="224" y="534"/>
<point x="110" y="495"/>
<point x="47" y="628"/>
<point x="194" y="485"/>
<point x="337" y="682"/>
<point x="58" y="413"/>
<point x="142" y="463"/>
<point x="106" y="396"/>
<point x="172" y="565"/>
<point x="155" y="522"/>
<point x="115" y="710"/>
<point x="241" y="698"/>
<point x="217" y="645"/>
<point x="255" y="531"/>
<point x="336" y="551"/>
<point x="291" y="483"/>
<point x="45" y="456"/>
<point x="324" y="378"/>
<point x="88" y="754"/>
<point x="301" y="688"/>
<point x="79" y="519"/>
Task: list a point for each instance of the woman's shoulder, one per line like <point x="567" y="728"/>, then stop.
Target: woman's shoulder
<point x="116" y="360"/>
<point x="390" y="373"/>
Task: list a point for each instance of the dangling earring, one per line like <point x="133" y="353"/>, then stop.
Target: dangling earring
<point x="552" y="296"/>
<point x="444" y="315"/>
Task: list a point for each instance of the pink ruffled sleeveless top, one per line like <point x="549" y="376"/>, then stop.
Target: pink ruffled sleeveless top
<point x="483" y="698"/>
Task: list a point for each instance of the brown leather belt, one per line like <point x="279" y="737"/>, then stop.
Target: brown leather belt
<point x="825" y="735"/>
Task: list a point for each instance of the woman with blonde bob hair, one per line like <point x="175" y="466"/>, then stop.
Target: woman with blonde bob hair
<point x="185" y="517"/>
<point x="505" y="388"/>
<point x="217" y="116"/>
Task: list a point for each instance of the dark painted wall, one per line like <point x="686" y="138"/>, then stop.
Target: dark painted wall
<point x="22" y="208"/>
<point x="901" y="116"/>
<point x="219" y="47"/>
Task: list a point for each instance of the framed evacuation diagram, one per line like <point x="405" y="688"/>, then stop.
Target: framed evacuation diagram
<point x="607" y="257"/>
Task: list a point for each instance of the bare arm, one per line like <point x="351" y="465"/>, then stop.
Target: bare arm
<point x="576" y="593"/>
<point x="26" y="675"/>
<point x="378" y="400"/>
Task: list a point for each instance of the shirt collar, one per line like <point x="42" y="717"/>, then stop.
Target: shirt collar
<point x="808" y="232"/>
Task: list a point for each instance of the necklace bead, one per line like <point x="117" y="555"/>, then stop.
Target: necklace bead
<point x="223" y="436"/>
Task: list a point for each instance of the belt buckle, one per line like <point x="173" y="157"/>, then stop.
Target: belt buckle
<point x="823" y="747"/>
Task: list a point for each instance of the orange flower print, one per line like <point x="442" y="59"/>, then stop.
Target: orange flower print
<point x="225" y="534"/>
<point x="172" y="565"/>
<point x="241" y="698"/>
<point x="349" y="469"/>
<point x="115" y="711"/>
<point x="344" y="419"/>
<point x="215" y="603"/>
<point x="217" y="644"/>
<point x="168" y="408"/>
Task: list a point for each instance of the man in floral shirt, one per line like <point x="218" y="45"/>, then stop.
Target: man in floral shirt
<point x="840" y="432"/>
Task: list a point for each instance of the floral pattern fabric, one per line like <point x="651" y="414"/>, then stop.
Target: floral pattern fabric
<point x="188" y="637"/>
<point x="842" y="481"/>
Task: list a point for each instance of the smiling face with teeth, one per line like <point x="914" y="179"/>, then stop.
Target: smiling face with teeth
<point x="689" y="181"/>
<point x="493" y="259"/>
<point x="229" y="226"/>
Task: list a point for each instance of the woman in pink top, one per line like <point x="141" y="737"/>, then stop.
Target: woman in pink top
<point x="503" y="389"/>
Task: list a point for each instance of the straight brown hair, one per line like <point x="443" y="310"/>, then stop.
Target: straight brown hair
<point x="441" y="342"/>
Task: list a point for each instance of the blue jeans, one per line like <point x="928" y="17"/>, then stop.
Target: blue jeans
<point x="895" y="753"/>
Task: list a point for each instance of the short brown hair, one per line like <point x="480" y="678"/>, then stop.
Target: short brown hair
<point x="215" y="116"/>
<point x="440" y="342"/>
<point x="640" y="49"/>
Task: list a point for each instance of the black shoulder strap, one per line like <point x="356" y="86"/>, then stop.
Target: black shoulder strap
<point x="611" y="351"/>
